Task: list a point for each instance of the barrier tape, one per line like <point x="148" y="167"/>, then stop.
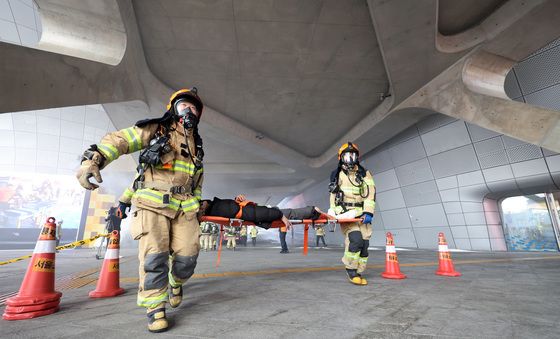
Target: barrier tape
<point x="63" y="247"/>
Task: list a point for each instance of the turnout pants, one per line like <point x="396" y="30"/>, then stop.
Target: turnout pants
<point x="356" y="242"/>
<point x="231" y="242"/>
<point x="167" y="249"/>
<point x="205" y="241"/>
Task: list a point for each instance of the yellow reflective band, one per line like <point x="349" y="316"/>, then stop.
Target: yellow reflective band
<point x="189" y="205"/>
<point x="133" y="138"/>
<point x="350" y="189"/>
<point x="338" y="209"/>
<point x="157" y="197"/>
<point x="172" y="280"/>
<point x="109" y="151"/>
<point x="128" y="193"/>
<point x="180" y="166"/>
<point x="369" y="203"/>
<point x="369" y="181"/>
<point x="363" y="259"/>
<point x="352" y="255"/>
<point x="152" y="301"/>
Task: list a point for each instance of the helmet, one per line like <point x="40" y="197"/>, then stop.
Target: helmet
<point x="189" y="94"/>
<point x="348" y="147"/>
<point x="348" y="154"/>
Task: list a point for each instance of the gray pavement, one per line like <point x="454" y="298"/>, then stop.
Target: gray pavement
<point x="260" y="293"/>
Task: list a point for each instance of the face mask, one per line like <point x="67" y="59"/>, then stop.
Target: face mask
<point x="190" y="120"/>
<point x="350" y="159"/>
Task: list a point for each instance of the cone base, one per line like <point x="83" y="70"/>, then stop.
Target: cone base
<point x="393" y="275"/>
<point x="106" y="294"/>
<point x="32" y="308"/>
<point x="449" y="274"/>
<point x="29" y="315"/>
<point x="27" y="300"/>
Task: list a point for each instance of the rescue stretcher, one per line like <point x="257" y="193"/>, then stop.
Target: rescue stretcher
<point x="233" y="222"/>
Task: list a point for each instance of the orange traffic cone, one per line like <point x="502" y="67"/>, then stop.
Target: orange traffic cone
<point x="108" y="283"/>
<point x="36" y="296"/>
<point x="392" y="268"/>
<point x="445" y="263"/>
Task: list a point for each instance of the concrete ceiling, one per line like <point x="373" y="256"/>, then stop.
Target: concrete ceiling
<point x="299" y="72"/>
<point x="285" y="82"/>
<point x="457" y="16"/>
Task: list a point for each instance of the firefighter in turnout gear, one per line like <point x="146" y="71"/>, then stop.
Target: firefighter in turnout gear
<point x="166" y="194"/>
<point x="206" y="229"/>
<point x="352" y="189"/>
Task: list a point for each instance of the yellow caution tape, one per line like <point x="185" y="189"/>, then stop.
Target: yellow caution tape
<point x="63" y="247"/>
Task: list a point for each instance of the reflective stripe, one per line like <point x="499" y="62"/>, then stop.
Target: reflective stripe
<point x="369" y="182"/>
<point x="338" y="209"/>
<point x="352" y="255"/>
<point x="369" y="203"/>
<point x="172" y="280"/>
<point x="157" y="197"/>
<point x="350" y="189"/>
<point x="363" y="260"/>
<point x="128" y="193"/>
<point x="45" y="246"/>
<point x="179" y="166"/>
<point x="152" y="301"/>
<point x="390" y="249"/>
<point x="443" y="248"/>
<point x="112" y="253"/>
<point x="189" y="205"/>
<point x="198" y="194"/>
<point x="133" y="138"/>
<point x="109" y="151"/>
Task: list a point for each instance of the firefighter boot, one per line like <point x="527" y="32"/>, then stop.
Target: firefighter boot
<point x="353" y="277"/>
<point x="364" y="281"/>
<point x="175" y="296"/>
<point x="157" y="322"/>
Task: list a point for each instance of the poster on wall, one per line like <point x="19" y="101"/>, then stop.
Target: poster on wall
<point x="28" y="199"/>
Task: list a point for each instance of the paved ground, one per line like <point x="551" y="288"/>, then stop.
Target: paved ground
<point x="259" y="293"/>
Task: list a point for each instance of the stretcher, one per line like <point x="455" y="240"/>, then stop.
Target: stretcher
<point x="275" y="224"/>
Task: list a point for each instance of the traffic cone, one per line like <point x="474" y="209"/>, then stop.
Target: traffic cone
<point x="445" y="263"/>
<point x="36" y="296"/>
<point x="108" y="283"/>
<point x="392" y="268"/>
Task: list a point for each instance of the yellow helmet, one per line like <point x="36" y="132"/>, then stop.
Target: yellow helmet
<point x="191" y="94"/>
<point x="348" y="147"/>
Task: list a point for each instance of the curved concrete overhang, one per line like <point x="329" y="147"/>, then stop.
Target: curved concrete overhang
<point x="503" y="18"/>
<point x="86" y="29"/>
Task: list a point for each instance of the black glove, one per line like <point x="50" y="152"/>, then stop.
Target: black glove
<point x="121" y="210"/>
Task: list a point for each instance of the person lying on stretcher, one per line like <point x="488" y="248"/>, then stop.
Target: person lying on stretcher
<point x="262" y="216"/>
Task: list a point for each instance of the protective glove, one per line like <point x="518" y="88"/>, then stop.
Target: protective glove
<point x="121" y="210"/>
<point x="90" y="168"/>
<point x="367" y="218"/>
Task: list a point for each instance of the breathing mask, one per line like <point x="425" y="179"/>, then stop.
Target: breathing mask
<point x="350" y="159"/>
<point x="186" y="115"/>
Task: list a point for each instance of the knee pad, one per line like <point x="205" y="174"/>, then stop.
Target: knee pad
<point x="364" y="253"/>
<point x="356" y="241"/>
<point x="183" y="266"/>
<point x="156" y="269"/>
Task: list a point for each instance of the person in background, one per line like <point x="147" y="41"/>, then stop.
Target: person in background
<point x="283" y="231"/>
<point x="58" y="232"/>
<point x="243" y="235"/>
<point x="320" y="233"/>
<point x="254" y="233"/>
